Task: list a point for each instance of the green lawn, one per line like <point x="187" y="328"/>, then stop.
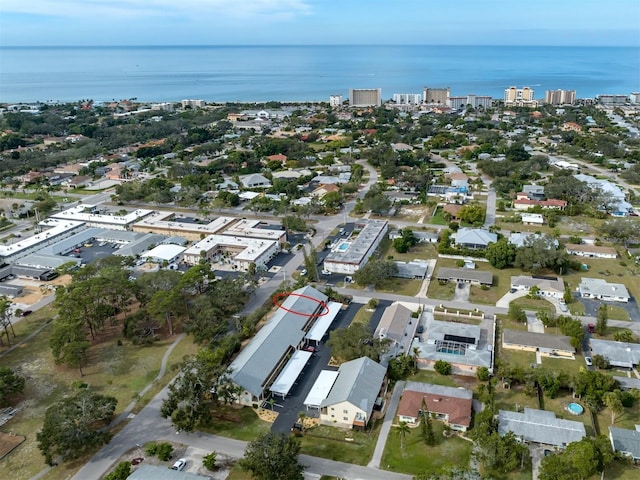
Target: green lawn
<point x="416" y="457"/>
<point x="514" y="399"/>
<point x="617" y="313"/>
<point x="535" y="304"/>
<point x="241" y="424"/>
<point x="517" y="357"/>
<point x="428" y="376"/>
<point x="400" y="286"/>
<point x="572" y="367"/>
<point x="610" y="270"/>
<point x="362" y="316"/>
<point x="441" y="291"/>
<point x="507" y="323"/>
<point x="437" y="218"/>
<point x="420" y="251"/>
<point x="341" y="445"/>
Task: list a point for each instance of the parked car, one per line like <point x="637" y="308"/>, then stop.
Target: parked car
<point x="303" y="271"/>
<point x="326" y="272"/>
<point x="310" y="348"/>
<point x="180" y="464"/>
<point x="348" y="279"/>
<point x="588" y="361"/>
<point x="563" y="307"/>
<point x="26" y="313"/>
<point x="297" y="427"/>
<point x="591" y="327"/>
<point x="420" y="329"/>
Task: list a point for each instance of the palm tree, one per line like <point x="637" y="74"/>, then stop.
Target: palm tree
<point x="614" y="403"/>
<point x="403" y="429"/>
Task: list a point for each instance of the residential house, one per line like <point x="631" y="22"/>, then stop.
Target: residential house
<point x="546" y="344"/>
<point x="255" y="180"/>
<point x="617" y="204"/>
<point x="397" y="326"/>
<point x="522" y="202"/>
<point x="603" y="290"/>
<point x="354" y="394"/>
<point x="448" y="404"/>
<point x="323" y="189"/>
<point x="79" y="181"/>
<point x="464" y="275"/>
<point x="591" y="251"/>
<point x="540" y="426"/>
<point x="534" y="192"/>
<point x="619" y="354"/>
<point x="227" y="184"/>
<point x="626" y="442"/>
<point x="532" y="219"/>
<point x="628" y="383"/>
<point x="465" y="347"/>
<point x="547" y="286"/>
<point x="452" y="210"/>
<point x="278" y="157"/>
<point x="474" y="238"/>
<point x="523" y="239"/>
<point x="571" y="127"/>
<point x="414" y="270"/>
<point x="458" y="179"/>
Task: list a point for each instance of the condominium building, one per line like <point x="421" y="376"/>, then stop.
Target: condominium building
<point x="519" y="97"/>
<point x="438" y="96"/>
<point x="634" y="98"/>
<point x="475" y="101"/>
<point x="407" y="98"/>
<point x="335" y="100"/>
<point x="190" y="103"/>
<point x="612" y="99"/>
<point x="560" y="97"/>
<point x="369" y="97"/>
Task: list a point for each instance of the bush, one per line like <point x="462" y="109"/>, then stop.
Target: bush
<point x="373" y="303"/>
<point x="151" y="449"/>
<point x="164" y="451"/>
<point x="121" y="472"/>
<point x="209" y="461"/>
<point x="442" y="367"/>
<point x="483" y="374"/>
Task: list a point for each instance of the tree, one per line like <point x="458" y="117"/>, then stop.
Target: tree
<point x="354" y="342"/>
<point x="624" y="336"/>
<point x="601" y="362"/>
<point x="473" y="214"/>
<point x="517" y="313"/>
<point x="294" y="223"/>
<point x="5" y="318"/>
<point x="580" y="460"/>
<point x="501" y="254"/>
<point x="442" y="367"/>
<point x="10" y="384"/>
<point x="209" y="461"/>
<point x="375" y="272"/>
<point x="121" y="472"/>
<point x="613" y="401"/>
<point x="273" y="457"/>
<point x="426" y="425"/>
<point x="403" y="430"/>
<point x="601" y="320"/>
<point x="483" y="374"/>
<point x="72" y="426"/>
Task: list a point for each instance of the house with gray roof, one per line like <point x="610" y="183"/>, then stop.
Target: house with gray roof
<point x="547" y="286"/>
<point x="546" y="344"/>
<point x="540" y="426"/>
<point x="628" y="383"/>
<point x="398" y="326"/>
<point x="626" y="442"/>
<point x="619" y="354"/>
<point x="255" y="180"/>
<point x="353" y="395"/>
<point x="416" y="269"/>
<point x="474" y="238"/>
<point x="258" y="365"/>
<point x="600" y="289"/>
<point x="524" y="239"/>
<point x="465" y="275"/>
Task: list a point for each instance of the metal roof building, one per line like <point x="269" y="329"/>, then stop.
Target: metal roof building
<point x="619" y="354"/>
<point x="540" y="426"/>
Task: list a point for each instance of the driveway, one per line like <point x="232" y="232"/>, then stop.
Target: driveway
<point x="533" y="323"/>
<point x="462" y="292"/>
<point x="537" y="454"/>
<point x="386" y="424"/>
<point x="509" y="297"/>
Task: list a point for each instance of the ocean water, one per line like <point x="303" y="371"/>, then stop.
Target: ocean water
<point x="299" y="73"/>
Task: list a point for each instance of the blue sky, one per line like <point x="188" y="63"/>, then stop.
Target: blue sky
<point x="320" y="22"/>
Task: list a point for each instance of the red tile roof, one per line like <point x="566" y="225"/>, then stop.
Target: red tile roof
<point x="458" y="409"/>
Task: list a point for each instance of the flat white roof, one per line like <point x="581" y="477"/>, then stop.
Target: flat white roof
<point x="324" y="322"/>
<point x="290" y="373"/>
<point x="164" y="252"/>
<point x="79" y="213"/>
<point x="252" y="248"/>
<point x="249" y="228"/>
<point x="58" y="228"/>
<point x="159" y="220"/>
<point x="321" y="388"/>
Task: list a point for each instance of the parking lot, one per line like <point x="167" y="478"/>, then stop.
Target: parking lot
<point x="591" y="307"/>
<point x="289" y="408"/>
<point x="93" y="253"/>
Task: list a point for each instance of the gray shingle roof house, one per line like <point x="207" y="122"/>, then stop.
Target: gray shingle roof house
<point x="259" y="363"/>
<point x="628" y="383"/>
<point x="627" y="442"/>
<point x="255" y="180"/>
<point x="354" y="393"/>
<point x="467" y="275"/>
<point x="540" y="426"/>
<point x="398" y="326"/>
<point x="546" y="344"/>
<point x="603" y="290"/>
<point x="548" y="286"/>
<point x="474" y="238"/>
<point x="619" y="354"/>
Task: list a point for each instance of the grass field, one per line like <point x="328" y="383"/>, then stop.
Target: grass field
<point x="437" y="218"/>
<point x="535" y="304"/>
<point x="341" y="445"/>
<point x="119" y="371"/>
<point x="417" y="458"/>
<point x="420" y="251"/>
<point x="363" y="315"/>
<point x="400" y="286"/>
<point x="241" y="424"/>
<point x="441" y="291"/>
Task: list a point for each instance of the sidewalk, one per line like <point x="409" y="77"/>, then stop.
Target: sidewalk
<point x="386" y="425"/>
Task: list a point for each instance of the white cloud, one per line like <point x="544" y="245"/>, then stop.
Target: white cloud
<point x="268" y="9"/>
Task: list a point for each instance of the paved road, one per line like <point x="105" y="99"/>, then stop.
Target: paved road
<point x="390" y="414"/>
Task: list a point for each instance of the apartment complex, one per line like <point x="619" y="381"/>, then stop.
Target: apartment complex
<point x="190" y="103"/>
<point x="438" y="96"/>
<point x="560" y="97"/>
<point x="335" y="101"/>
<point x="369" y="97"/>
<point x="407" y="98"/>
<point x="519" y="97"/>
<point x="475" y="101"/>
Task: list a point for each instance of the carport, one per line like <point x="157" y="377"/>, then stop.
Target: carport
<point x="323" y="323"/>
<point x="320" y="389"/>
<point x="290" y="373"/>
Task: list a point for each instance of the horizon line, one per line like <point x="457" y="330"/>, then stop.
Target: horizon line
<point x="322" y="45"/>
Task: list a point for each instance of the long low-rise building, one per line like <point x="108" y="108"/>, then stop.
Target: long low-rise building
<point x="465" y="275"/>
<point x="546" y="344"/>
<point x="619" y="354"/>
<point x="352" y="254"/>
<point x="547" y="286"/>
<point x="591" y="251"/>
<point x="540" y="426"/>
<point x="90" y="215"/>
<point x="240" y="252"/>
<point x="167" y="224"/>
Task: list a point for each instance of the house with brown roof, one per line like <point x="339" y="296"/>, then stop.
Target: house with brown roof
<point x="452" y="209"/>
<point x="522" y="202"/>
<point x="278" y="157"/>
<point x="591" y="251"/>
<point x="458" y="179"/>
<point x="323" y="189"/>
<point x="447" y="404"/>
<point x="571" y="127"/>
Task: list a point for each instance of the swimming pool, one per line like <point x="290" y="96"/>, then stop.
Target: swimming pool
<point x="451" y="351"/>
<point x="575" y="408"/>
<point x="343" y="247"/>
